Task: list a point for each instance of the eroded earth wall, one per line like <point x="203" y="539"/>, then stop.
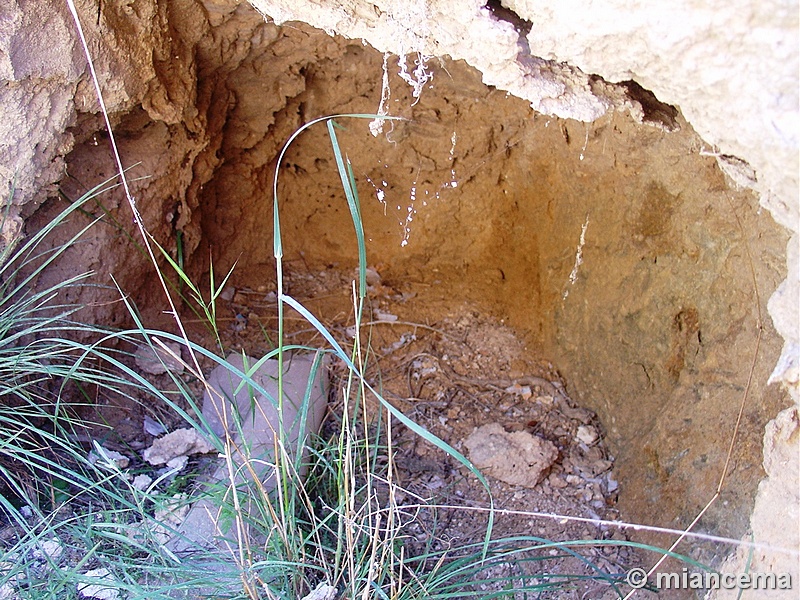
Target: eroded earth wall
<point x="730" y="66"/>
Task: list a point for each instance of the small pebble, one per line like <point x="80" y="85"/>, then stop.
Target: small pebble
<point x="587" y="435"/>
<point x="142" y="482"/>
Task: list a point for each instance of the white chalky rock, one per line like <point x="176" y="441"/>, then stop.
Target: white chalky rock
<point x="587" y="434"/>
<point x="179" y="443"/>
<point x="518" y="458"/>
<point x="103" y="590"/>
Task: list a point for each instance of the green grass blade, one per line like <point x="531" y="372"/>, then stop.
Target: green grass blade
<point x="351" y="193"/>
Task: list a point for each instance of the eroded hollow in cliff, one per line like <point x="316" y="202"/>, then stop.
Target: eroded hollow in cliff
<point x="616" y="250"/>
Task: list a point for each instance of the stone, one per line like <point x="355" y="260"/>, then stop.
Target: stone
<point x="141" y="482"/>
<point x="170" y="515"/>
<point x="104" y="455"/>
<point x="322" y="592"/>
<point x="153" y="427"/>
<point x="384" y="316"/>
<point x="179" y="443"/>
<point x="520" y="390"/>
<point x="248" y="420"/>
<point x="229" y="405"/>
<point x="49" y="550"/>
<point x="157" y="360"/>
<point x="105" y="589"/>
<point x="7" y="591"/>
<point x="586" y="434"/>
<point x="776" y="513"/>
<point x="372" y="276"/>
<point x="517" y="458"/>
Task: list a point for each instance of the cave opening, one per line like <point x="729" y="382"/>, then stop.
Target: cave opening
<point x="617" y="251"/>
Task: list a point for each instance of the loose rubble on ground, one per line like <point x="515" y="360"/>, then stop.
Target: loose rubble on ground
<point x="459" y="373"/>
